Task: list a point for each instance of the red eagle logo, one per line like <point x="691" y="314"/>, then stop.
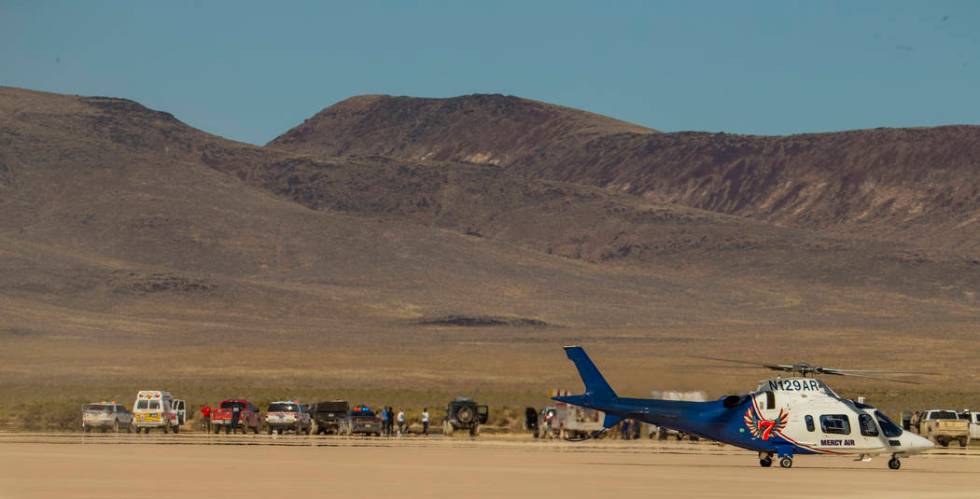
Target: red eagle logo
<point x="763" y="428"/>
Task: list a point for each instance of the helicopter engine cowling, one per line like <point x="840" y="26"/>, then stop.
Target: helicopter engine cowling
<point x="733" y="401"/>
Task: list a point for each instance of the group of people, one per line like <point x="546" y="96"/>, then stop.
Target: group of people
<point x="389" y="419"/>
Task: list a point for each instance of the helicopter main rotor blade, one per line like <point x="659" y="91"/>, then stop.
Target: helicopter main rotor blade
<point x="887" y="371"/>
<point x="804" y="368"/>
<point x="774" y="367"/>
<point x="839" y="372"/>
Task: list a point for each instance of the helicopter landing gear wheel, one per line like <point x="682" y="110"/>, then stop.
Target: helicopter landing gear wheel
<point x="786" y="462"/>
<point x="765" y="462"/>
<point x="894" y="463"/>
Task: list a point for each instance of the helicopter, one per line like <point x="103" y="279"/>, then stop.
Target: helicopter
<point x="782" y="418"/>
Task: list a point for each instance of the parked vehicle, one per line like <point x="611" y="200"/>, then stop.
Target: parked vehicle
<point x="578" y="423"/>
<point x="942" y="426"/>
<point x="154" y="409"/>
<point x="287" y="416"/>
<point x="330" y="416"/>
<point x="105" y="416"/>
<point x="248" y="416"/>
<point x="464" y="414"/>
<point x="362" y="420"/>
<point x="974" y="418"/>
<point x="180" y="407"/>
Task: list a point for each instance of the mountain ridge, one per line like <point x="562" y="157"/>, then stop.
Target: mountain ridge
<point x="888" y="178"/>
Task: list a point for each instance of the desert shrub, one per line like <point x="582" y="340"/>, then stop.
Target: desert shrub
<point x="49" y="415"/>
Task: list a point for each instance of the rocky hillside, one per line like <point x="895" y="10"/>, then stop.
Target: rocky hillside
<point x="482" y="129"/>
<point x="907" y="184"/>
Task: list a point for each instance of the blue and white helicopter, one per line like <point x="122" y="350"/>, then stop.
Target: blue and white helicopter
<point x="782" y="417"/>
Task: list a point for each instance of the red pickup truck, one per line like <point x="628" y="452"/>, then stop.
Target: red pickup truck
<point x="248" y="416"/>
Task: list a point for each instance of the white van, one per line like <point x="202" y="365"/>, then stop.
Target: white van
<point x="155" y="409"/>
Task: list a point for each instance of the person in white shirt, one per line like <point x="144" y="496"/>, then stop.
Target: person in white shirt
<point x="425" y="421"/>
<point x="401" y="422"/>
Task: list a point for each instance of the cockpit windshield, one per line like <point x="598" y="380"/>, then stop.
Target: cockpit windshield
<point x="889" y="428"/>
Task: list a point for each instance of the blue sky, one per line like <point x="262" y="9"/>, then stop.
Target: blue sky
<point x="251" y="70"/>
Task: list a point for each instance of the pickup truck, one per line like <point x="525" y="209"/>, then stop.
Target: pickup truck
<point x="287" y="416"/>
<point x="330" y="416"/>
<point x="248" y="416"/>
<point x="942" y="426"/>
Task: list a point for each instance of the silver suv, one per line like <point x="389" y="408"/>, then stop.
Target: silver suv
<point x="105" y="416"/>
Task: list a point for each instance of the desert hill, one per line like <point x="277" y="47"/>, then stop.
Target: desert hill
<point x="130" y="239"/>
<point x="485" y="129"/>
<point x="907" y="184"/>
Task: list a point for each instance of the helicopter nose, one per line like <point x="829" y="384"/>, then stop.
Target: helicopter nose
<point x="921" y="443"/>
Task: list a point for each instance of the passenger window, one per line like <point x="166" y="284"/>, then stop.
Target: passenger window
<point x="154" y="405"/>
<point x="867" y="424"/>
<point x="809" y="423"/>
<point x="770" y="400"/>
<point x="838" y="424"/>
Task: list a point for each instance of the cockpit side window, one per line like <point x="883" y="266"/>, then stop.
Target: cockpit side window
<point x="837" y="424"/>
<point x="867" y="424"/>
<point x="889" y="428"/>
<point x="770" y="400"/>
<point x="809" y="423"/>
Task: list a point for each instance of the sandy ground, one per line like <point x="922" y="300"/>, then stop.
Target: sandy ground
<point x="260" y="466"/>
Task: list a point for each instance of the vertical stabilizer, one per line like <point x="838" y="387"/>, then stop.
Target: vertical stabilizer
<point x="596" y="386"/>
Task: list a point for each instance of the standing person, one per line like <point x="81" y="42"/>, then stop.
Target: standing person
<point x="425" y="421"/>
<point x="549" y="418"/>
<point x="385" y="420"/>
<point x="236" y="415"/>
<point x="206" y="417"/>
<point x="401" y="422"/>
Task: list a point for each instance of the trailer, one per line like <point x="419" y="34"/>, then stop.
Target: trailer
<point x="578" y="423"/>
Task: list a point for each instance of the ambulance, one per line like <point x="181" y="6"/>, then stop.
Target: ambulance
<point x="155" y="409"/>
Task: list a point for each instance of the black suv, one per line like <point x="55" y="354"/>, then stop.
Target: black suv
<point x="464" y="414"/>
<point x="330" y="416"/>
